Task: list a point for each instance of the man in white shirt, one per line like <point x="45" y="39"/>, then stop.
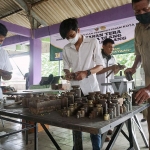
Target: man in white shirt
<point x="5" y="65"/>
<point x="109" y="66"/>
<point x="83" y="57"/>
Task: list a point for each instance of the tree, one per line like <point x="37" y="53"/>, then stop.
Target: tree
<point x="50" y="67"/>
<point x="125" y="59"/>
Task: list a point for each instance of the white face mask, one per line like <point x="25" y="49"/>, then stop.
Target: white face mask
<point x="74" y="40"/>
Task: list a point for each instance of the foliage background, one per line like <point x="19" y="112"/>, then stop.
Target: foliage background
<point x="49" y="67"/>
<point x="125" y="59"/>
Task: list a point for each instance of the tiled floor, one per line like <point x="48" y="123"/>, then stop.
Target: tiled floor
<point x="62" y="136"/>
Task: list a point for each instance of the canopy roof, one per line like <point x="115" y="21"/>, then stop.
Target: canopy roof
<point x="34" y="14"/>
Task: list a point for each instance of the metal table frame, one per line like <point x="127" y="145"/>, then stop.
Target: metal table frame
<point x="131" y="134"/>
<point x="27" y="127"/>
<point x="116" y="123"/>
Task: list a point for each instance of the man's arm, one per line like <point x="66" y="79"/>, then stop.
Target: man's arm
<point x="136" y="63"/>
<point x="83" y="74"/>
<point x="113" y="67"/>
<point x="142" y="95"/>
<point x="67" y="74"/>
<point x="104" y="70"/>
<point x="96" y="69"/>
<point x="66" y="65"/>
<point x="97" y="57"/>
<point x="137" y="60"/>
<point x="117" y="70"/>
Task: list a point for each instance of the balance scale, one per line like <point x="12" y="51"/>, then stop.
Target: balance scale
<point x="120" y="84"/>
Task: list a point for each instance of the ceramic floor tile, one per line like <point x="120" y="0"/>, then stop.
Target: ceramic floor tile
<point x="69" y="144"/>
<point x="66" y="147"/>
<point x="11" y="147"/>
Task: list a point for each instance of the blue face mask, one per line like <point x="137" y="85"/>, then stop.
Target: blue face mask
<point x="144" y="18"/>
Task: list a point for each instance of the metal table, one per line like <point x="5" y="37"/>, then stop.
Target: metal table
<point x="93" y="126"/>
<point x="32" y="91"/>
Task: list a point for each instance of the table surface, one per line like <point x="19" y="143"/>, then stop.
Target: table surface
<point x="97" y="125"/>
<point x="32" y="91"/>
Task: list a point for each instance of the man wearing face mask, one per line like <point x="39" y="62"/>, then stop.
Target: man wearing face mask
<point x="83" y="57"/>
<point x="109" y="66"/>
<point x="142" y="49"/>
<point x="5" y="65"/>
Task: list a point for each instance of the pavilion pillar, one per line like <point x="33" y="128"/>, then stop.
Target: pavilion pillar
<point x="35" y="61"/>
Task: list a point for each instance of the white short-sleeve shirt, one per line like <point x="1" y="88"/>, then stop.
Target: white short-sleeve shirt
<point x="4" y="64"/>
<point x="87" y="57"/>
<point x="102" y="77"/>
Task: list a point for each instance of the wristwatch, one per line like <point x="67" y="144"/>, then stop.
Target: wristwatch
<point x="88" y="73"/>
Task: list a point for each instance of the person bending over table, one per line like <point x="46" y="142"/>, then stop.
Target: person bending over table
<point x="83" y="57"/>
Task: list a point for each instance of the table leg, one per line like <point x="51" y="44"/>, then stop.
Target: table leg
<point x="77" y="140"/>
<point x="132" y="139"/>
<point x="125" y="135"/>
<point x="103" y="138"/>
<point x="2" y="122"/>
<point x="114" y="136"/>
<point x="26" y="134"/>
<point x="51" y="137"/>
<point x="35" y="136"/>
<point x="136" y="120"/>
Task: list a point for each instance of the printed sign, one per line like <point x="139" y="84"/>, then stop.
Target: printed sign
<point x="121" y="31"/>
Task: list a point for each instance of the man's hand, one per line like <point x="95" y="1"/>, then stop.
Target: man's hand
<point x="3" y="72"/>
<point x="132" y="70"/>
<point x="6" y="76"/>
<point x="70" y="75"/>
<point x="67" y="74"/>
<point x="117" y="67"/>
<point x="114" y="67"/>
<point x="67" y="77"/>
<point x="142" y="95"/>
<point x="121" y="67"/>
<point x="80" y="75"/>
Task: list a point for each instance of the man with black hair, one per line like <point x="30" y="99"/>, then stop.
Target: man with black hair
<point x="83" y="57"/>
<point x="5" y="65"/>
<point x="142" y="50"/>
<point x="109" y="66"/>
